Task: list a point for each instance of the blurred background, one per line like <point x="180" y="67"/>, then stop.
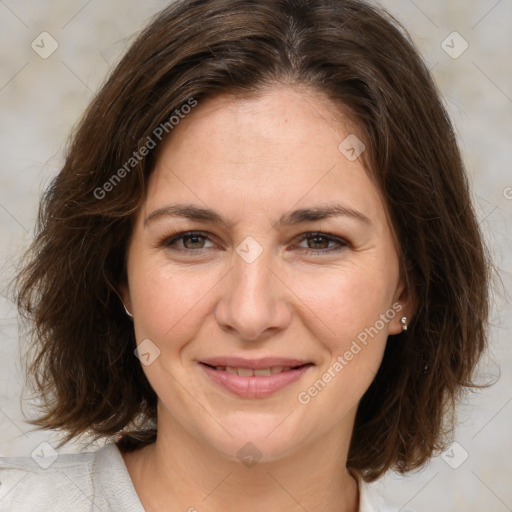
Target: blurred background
<point x="55" y="55"/>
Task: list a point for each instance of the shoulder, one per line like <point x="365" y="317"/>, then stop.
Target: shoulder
<point x="48" y="481"/>
<point x="371" y="501"/>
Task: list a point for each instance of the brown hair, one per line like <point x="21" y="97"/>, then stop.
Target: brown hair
<point x="360" y="57"/>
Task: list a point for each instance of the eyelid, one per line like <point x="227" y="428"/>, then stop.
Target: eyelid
<point x="343" y="243"/>
<point x="179" y="235"/>
<point x="167" y="240"/>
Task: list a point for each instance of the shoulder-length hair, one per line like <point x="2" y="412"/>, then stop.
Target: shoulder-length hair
<point x="362" y="59"/>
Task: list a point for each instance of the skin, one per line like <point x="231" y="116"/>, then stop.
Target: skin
<point x="253" y="159"/>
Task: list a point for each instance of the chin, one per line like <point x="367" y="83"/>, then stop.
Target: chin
<point x="258" y="438"/>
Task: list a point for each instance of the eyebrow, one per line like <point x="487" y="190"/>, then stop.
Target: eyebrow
<point x="302" y="215"/>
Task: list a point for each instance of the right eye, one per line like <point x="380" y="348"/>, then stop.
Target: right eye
<point x="191" y="241"/>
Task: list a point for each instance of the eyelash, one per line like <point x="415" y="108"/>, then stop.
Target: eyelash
<point x="169" y="241"/>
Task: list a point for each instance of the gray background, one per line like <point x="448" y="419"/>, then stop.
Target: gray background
<point x="42" y="99"/>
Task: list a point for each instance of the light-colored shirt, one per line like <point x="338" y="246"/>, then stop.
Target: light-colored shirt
<point x="96" y="482"/>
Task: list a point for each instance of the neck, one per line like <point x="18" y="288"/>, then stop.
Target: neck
<point x="178" y="473"/>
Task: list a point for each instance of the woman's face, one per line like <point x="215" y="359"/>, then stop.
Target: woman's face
<point x="276" y="284"/>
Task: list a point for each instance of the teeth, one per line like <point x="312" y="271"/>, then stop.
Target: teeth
<point x="264" y="372"/>
<point x="245" y="372"/>
<point x="249" y="372"/>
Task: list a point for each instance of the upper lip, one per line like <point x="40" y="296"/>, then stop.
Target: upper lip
<point x="255" y="364"/>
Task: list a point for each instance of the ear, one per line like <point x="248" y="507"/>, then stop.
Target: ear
<point x="124" y="294"/>
<point x="404" y="305"/>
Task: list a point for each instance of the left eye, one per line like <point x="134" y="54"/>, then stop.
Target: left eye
<point x="193" y="241"/>
<point x="320" y="242"/>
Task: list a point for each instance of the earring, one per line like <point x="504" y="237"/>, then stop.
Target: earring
<point x="403" y="321"/>
<point x="127" y="312"/>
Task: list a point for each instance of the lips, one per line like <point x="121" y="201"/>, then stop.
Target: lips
<point x="256" y="378"/>
<point x="264" y="362"/>
<point x="249" y="372"/>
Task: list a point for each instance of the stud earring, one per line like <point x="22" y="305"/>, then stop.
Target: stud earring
<point x="403" y="321"/>
<point x="127" y="312"/>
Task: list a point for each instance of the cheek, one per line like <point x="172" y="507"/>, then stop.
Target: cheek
<point x="169" y="312"/>
<point x="354" y="344"/>
<point x="151" y="291"/>
<point x="346" y="300"/>
<point x="358" y="298"/>
<point x="169" y="302"/>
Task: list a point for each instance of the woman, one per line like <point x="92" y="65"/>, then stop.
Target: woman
<point x="258" y="275"/>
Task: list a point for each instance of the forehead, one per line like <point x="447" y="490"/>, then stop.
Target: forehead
<point x="263" y="153"/>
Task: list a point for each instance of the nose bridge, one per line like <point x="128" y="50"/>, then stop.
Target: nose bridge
<point x="252" y="272"/>
<point x="252" y="276"/>
<point x="253" y="300"/>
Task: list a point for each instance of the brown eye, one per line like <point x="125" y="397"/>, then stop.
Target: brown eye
<point x="190" y="241"/>
<point x="193" y="241"/>
<point x="319" y="243"/>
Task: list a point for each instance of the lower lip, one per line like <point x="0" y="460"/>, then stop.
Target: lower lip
<point x="255" y="386"/>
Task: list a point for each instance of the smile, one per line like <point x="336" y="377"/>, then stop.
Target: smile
<point x="249" y="372"/>
<point x="247" y="382"/>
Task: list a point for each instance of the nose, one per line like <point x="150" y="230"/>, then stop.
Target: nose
<point x="254" y="303"/>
